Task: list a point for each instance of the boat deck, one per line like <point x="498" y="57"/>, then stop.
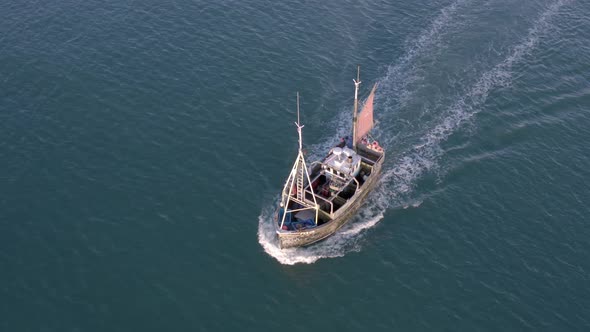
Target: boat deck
<point x="332" y="196"/>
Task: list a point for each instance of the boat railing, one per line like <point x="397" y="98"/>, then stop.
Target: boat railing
<point x="379" y="159"/>
<point x="369" y="155"/>
<point x="323" y="199"/>
<point x="367" y="161"/>
<point x="358" y="185"/>
<point x="306" y="205"/>
<point x="371" y="162"/>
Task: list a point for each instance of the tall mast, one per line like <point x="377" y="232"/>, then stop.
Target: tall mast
<point x="294" y="190"/>
<point x="299" y="127"/>
<point x="357" y="82"/>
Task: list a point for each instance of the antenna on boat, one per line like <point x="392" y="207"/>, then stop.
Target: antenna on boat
<point x="299" y="126"/>
<point x="357" y="82"/>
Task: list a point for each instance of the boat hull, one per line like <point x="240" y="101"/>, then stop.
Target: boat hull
<point x="304" y="237"/>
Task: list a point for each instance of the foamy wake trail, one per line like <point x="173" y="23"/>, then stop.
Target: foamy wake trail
<point x="399" y="178"/>
<point x="423" y="156"/>
<point x="400" y="75"/>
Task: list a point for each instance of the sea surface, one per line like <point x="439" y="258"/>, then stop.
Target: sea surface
<point x="144" y="144"/>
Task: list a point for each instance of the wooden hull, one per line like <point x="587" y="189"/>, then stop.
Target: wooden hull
<point x="304" y="237"/>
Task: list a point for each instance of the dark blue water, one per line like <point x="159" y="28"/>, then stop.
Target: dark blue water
<point x="143" y="146"/>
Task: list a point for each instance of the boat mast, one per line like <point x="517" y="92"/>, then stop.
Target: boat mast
<point x="299" y="127"/>
<point x="296" y="182"/>
<point x="357" y="82"/>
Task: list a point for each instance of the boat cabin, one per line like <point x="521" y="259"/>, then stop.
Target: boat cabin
<point x="342" y="162"/>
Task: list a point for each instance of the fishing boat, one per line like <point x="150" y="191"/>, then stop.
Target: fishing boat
<point x="318" y="200"/>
